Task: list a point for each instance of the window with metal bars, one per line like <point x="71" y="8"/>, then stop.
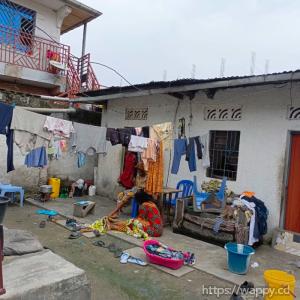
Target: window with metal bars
<point x="224" y="154"/>
<point x="17" y="25"/>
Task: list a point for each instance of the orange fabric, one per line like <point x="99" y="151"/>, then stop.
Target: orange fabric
<point x="248" y="194"/>
<point x="150" y="153"/>
<point x="292" y="206"/>
<point x="155" y="178"/>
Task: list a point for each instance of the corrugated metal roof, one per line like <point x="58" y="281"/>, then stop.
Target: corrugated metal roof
<point x="175" y="83"/>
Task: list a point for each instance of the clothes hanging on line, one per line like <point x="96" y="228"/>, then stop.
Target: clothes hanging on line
<point x="6" y="115"/>
<point x="125" y="135"/>
<point x="37" y="158"/>
<point x="27" y="141"/>
<point x="155" y="176"/>
<point x="163" y="133"/>
<point x="59" y="127"/>
<point x="28" y="130"/>
<point x="205" y="151"/>
<point x="146" y="131"/>
<point x="89" y="139"/>
<point x="127" y="176"/>
<point x="190" y="152"/>
<point x="81" y="159"/>
<point x="112" y="135"/>
<point x="179" y="150"/>
<point x="31" y="122"/>
<point x="137" y="144"/>
<point x="150" y="153"/>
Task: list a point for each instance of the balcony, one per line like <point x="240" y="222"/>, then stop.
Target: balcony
<point x="37" y="61"/>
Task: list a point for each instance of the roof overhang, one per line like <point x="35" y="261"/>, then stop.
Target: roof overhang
<point x="210" y="84"/>
<point x="81" y="14"/>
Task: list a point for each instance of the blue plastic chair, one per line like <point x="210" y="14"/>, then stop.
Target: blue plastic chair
<point x="199" y="197"/>
<point x="8" y="188"/>
<point x="186" y="186"/>
<point x="221" y="193"/>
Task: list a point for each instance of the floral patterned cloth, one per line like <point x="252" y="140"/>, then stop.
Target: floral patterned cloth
<point x="149" y="217"/>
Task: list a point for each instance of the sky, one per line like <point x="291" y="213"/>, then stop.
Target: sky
<point x="154" y="40"/>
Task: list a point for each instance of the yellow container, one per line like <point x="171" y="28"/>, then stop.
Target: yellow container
<point x="55" y="183"/>
<point x="280" y="285"/>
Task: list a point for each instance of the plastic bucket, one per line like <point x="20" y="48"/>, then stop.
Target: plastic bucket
<point x="238" y="257"/>
<point x="92" y="190"/>
<point x="280" y="285"/>
<point x="3" y="204"/>
<point x="55" y="183"/>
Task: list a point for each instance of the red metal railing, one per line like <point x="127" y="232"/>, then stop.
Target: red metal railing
<point x="25" y="50"/>
<point x="29" y="51"/>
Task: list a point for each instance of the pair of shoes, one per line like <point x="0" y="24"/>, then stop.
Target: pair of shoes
<point x="126" y="258"/>
<point x="111" y="248"/>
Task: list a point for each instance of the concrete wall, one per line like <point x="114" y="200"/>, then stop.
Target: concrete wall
<point x="263" y="141"/>
<point x="30" y="178"/>
<point x="46" y="19"/>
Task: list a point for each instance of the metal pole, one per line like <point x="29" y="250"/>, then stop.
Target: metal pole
<point x="84" y="39"/>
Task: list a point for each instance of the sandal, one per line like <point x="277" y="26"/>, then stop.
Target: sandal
<point x="42" y="224"/>
<point x="99" y="244"/>
<point x="124" y="258"/>
<point x="137" y="261"/>
<point x="74" y="235"/>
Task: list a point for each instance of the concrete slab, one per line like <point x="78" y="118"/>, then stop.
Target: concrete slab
<point x="62" y="223"/>
<point x="44" y="275"/>
<point x="139" y="253"/>
<point x="210" y="258"/>
<point x="65" y="207"/>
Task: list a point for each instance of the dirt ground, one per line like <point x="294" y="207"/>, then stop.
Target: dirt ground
<point x="110" y="279"/>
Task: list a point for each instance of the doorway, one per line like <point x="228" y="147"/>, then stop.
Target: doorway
<point x="292" y="212"/>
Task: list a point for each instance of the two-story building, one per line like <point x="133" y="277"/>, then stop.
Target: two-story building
<point x="32" y="59"/>
<point x="34" y="63"/>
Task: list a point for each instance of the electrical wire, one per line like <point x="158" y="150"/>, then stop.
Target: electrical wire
<point x="118" y="73"/>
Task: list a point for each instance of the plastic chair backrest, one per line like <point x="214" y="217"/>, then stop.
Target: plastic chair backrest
<point x="221" y="193"/>
<point x="187" y="188"/>
<point x="195" y="189"/>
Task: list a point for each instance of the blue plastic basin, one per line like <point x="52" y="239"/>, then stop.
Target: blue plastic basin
<point x="238" y="257"/>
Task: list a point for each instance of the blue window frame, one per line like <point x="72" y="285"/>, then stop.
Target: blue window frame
<point x="17" y="25"/>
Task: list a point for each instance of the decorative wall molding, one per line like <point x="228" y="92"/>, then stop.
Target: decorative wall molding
<point x="136" y="113"/>
<point x="223" y="113"/>
<point x="293" y="112"/>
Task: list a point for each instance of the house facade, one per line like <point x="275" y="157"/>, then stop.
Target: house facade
<point x="34" y="63"/>
<point x="31" y="54"/>
<point x="251" y="122"/>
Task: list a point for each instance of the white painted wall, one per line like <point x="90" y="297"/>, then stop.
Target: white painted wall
<point x="45" y="19"/>
<point x="264" y="130"/>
